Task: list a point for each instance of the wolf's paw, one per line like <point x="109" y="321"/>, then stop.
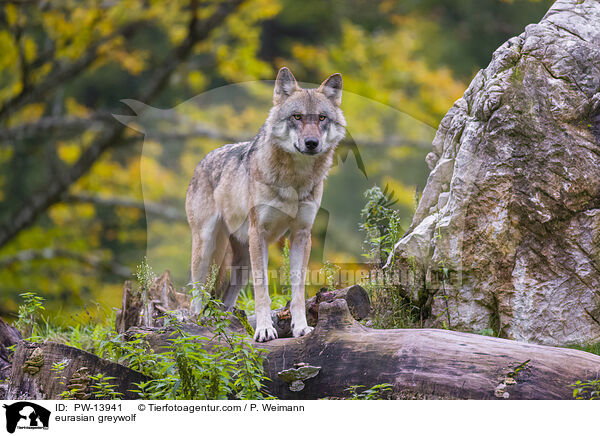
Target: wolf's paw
<point x="301" y="331"/>
<point x="264" y="334"/>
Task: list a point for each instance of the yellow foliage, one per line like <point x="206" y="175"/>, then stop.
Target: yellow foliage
<point x="28" y="114"/>
<point x="68" y="151"/>
<point x="128" y="213"/>
<point x="404" y="194"/>
<point x="60" y="213"/>
<point x="12" y="14"/>
<point x="237" y="58"/>
<point x="29" y="48"/>
<point x="8" y="50"/>
<point x="84" y="210"/>
<point x="385" y="66"/>
<point x="75" y="108"/>
<point x="401" y="152"/>
<point x="197" y="80"/>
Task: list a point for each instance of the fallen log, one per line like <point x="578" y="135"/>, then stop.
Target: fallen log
<point x="338" y="354"/>
<point x="44" y="371"/>
<point x="418" y="363"/>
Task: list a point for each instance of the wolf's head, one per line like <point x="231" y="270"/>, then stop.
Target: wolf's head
<point x="306" y="121"/>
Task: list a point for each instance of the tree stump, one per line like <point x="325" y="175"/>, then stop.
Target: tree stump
<point x="9" y="336"/>
<point x="33" y="378"/>
<point x="147" y="307"/>
<point x="356" y="297"/>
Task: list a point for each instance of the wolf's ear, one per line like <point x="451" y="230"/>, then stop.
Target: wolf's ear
<point x="332" y="88"/>
<point x="285" y="85"/>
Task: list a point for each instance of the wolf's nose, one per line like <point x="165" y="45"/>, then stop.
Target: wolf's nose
<point x="311" y="143"/>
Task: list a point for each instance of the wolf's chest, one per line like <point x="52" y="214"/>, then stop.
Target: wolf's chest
<point x="279" y="208"/>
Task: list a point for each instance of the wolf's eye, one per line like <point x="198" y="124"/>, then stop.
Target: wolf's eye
<point x="298" y="117"/>
<point x="322" y="117"/>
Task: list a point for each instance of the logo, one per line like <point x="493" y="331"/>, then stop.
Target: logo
<point x="26" y="415"/>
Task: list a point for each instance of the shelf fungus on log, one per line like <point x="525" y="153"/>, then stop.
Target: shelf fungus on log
<point x="296" y="376"/>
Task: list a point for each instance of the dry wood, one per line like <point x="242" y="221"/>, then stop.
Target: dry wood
<point x="356" y="297"/>
<point x="9" y="336"/>
<point x="418" y="363"/>
<point x="148" y="307"/>
<point x="32" y="376"/>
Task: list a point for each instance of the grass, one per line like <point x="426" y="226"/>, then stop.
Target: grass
<point x="590" y="348"/>
<point x="224" y="365"/>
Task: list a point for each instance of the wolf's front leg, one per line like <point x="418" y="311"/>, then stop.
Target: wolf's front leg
<point x="259" y="258"/>
<point x="299" y="254"/>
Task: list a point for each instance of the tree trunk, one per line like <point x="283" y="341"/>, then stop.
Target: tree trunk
<point x="9" y="336"/>
<point x="338" y="354"/>
<point x="34" y="378"/>
<point x="418" y="363"/>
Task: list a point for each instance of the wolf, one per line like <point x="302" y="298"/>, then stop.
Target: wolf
<point x="247" y="195"/>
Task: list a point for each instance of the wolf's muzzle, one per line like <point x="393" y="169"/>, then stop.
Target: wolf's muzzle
<point x="311" y="143"/>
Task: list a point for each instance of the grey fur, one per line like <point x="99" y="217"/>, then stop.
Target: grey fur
<point x="243" y="196"/>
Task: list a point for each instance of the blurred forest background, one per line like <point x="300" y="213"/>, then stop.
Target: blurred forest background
<point x="84" y="197"/>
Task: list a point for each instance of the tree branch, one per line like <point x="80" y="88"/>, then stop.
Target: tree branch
<point x="73" y="125"/>
<point x="59" y="253"/>
<point x="17" y="33"/>
<point x="151" y="208"/>
<point x="39" y="202"/>
<point x="62" y="74"/>
<point x="64" y="126"/>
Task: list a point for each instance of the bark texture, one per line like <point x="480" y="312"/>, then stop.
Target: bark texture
<point x="418" y="363"/>
<point x="355" y="296"/>
<point x="34" y="378"/>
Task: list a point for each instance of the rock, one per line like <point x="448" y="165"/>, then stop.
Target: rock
<point x="519" y="231"/>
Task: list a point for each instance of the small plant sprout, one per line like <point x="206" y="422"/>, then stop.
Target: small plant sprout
<point x="377" y="392"/>
<point x="380" y="223"/>
<point x="331" y="273"/>
<point x="203" y="292"/>
<point x="144" y="274"/>
<point x="102" y="389"/>
<point x="29" y="313"/>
